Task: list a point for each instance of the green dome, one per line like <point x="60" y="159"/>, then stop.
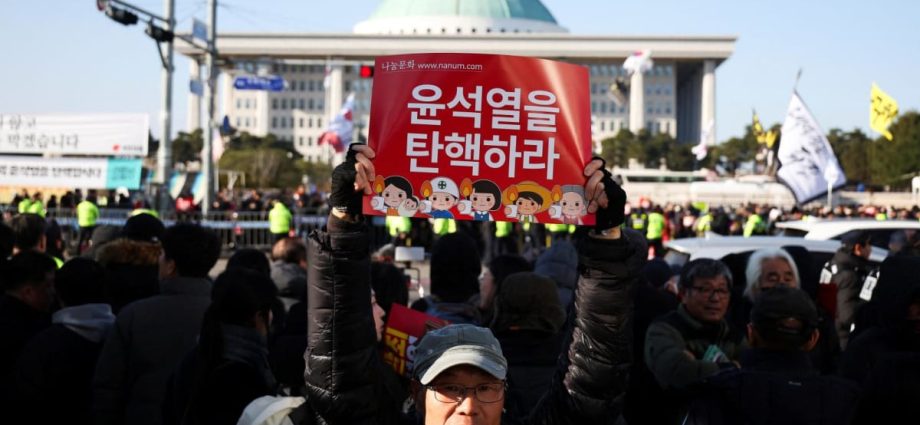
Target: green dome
<point x="490" y="9"/>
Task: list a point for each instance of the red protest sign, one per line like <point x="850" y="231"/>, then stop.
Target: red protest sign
<point x="404" y="328"/>
<point x="480" y="137"/>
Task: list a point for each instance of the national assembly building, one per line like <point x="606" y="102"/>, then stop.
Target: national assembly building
<point x="676" y="96"/>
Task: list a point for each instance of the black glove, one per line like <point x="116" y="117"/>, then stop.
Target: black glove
<point x="343" y="196"/>
<point x="613" y="215"/>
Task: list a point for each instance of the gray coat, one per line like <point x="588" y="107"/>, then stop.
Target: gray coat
<point x="149" y="340"/>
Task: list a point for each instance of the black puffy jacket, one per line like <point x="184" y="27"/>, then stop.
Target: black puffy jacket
<point x="345" y="379"/>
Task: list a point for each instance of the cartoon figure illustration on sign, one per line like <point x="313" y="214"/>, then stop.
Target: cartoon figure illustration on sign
<point x="569" y="204"/>
<point x="441" y="194"/>
<point x="408" y="207"/>
<point x="525" y="200"/>
<point x="482" y="197"/>
<point x="391" y="193"/>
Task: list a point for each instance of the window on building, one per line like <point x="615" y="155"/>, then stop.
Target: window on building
<point x="300" y="141"/>
<point x="300" y="122"/>
<point x="311" y="104"/>
<point x="248" y="105"/>
<point x="311" y="85"/>
<point x="347" y="86"/>
<point x="239" y="104"/>
<point x="310" y="141"/>
<point x="593" y="107"/>
<point x="238" y="121"/>
<point x="319" y="123"/>
<point x="603" y="126"/>
<point x="274" y="103"/>
<point x="603" y="107"/>
<point x="283" y="122"/>
<point x="283" y="104"/>
<point x="247" y="121"/>
<point x="274" y="122"/>
<point x="300" y="104"/>
<point x="310" y="122"/>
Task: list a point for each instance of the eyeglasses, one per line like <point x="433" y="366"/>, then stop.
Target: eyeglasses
<point x="709" y="292"/>
<point x="453" y="393"/>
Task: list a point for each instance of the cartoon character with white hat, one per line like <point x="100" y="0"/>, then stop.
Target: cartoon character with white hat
<point x="441" y="194"/>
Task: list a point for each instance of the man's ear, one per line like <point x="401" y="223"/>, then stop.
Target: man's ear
<point x="812" y="341"/>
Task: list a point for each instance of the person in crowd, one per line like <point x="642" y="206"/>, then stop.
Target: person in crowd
<point x="766" y="268"/>
<point x="652" y="300"/>
<point x="289" y="270"/>
<point x="28" y="233"/>
<point x="455" y="269"/>
<point x="279" y="220"/>
<point x="693" y="342"/>
<point x="527" y="322"/>
<point x="559" y="263"/>
<point x="101" y="235"/>
<point x="28" y="294"/>
<point x="655" y="230"/>
<point x="252" y="259"/>
<point x="390" y="285"/>
<point x="754" y="224"/>
<point x="460" y="373"/>
<point x="885" y="359"/>
<point x="131" y="261"/>
<point x="844" y="275"/>
<point x="87" y="216"/>
<point x="776" y="383"/>
<point x="53" y="202"/>
<point x="58" y="363"/>
<point x="54" y="241"/>
<point x="7" y="240"/>
<point x="151" y="335"/>
<point x="490" y="280"/>
<point x="229" y="367"/>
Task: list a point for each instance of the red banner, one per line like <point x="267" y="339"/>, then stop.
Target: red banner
<point x="480" y="137"/>
<point x="404" y="328"/>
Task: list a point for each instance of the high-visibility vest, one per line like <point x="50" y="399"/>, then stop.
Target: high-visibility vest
<point x="881" y="217"/>
<point x="279" y="219"/>
<point x="557" y="227"/>
<point x="704" y="224"/>
<point x="443" y="226"/>
<point x="397" y="225"/>
<point x="139" y="211"/>
<point x="87" y="214"/>
<point x="638" y="221"/>
<point x="37" y="207"/>
<point x="24" y="205"/>
<point x="754" y="226"/>
<point x="502" y="229"/>
<point x="655" y="226"/>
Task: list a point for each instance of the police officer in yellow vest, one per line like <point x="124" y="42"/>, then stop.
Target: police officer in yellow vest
<point x="279" y="220"/>
<point x="24" y="204"/>
<point x="139" y="211"/>
<point x="37" y="206"/>
<point x="703" y="224"/>
<point x="87" y="215"/>
<point x="399" y="228"/>
<point x="443" y="226"/>
<point x="655" y="232"/>
<point x="754" y="225"/>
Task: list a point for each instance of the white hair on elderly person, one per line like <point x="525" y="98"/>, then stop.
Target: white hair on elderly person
<point x="754" y="272"/>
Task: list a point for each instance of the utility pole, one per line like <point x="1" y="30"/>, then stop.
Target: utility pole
<point x="207" y="162"/>
<point x="164" y="153"/>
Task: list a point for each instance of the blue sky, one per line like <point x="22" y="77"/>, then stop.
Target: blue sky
<point x="65" y="56"/>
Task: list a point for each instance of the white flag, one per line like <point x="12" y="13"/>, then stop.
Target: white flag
<point x="707" y="137"/>
<point x="640" y="61"/>
<point x="807" y="162"/>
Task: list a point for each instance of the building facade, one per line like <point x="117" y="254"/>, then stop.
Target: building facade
<point x="676" y="96"/>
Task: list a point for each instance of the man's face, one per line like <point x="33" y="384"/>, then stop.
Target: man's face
<point x="442" y="201"/>
<point x="863" y="251"/>
<point x="707" y="300"/>
<point x="573" y="205"/>
<point x="40" y="296"/>
<point x="776" y="272"/>
<point x="393" y="196"/>
<point x="482" y="202"/>
<point x="469" y="411"/>
<point x="526" y="206"/>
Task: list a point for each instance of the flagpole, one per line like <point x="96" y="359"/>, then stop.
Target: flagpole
<point x="830" y="195"/>
<point x="798" y="76"/>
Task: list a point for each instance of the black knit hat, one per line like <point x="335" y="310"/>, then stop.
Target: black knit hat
<point x="784" y="314"/>
<point x="143" y="227"/>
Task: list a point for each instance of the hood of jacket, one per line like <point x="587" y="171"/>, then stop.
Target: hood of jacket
<point x="90" y="321"/>
<point x="559" y="263"/>
<point x="129" y="252"/>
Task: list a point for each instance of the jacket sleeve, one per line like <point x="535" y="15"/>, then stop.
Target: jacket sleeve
<point x="848" y="287"/>
<point x="110" y="382"/>
<point x="592" y="372"/>
<point x="341" y="368"/>
<point x="667" y="358"/>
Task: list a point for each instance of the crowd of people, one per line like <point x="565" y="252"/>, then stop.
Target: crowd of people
<point x="583" y="329"/>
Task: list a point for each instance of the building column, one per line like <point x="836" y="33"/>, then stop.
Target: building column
<point x="193" y="119"/>
<point x="708" y="102"/>
<point x="263" y="114"/>
<point x="637" y="102"/>
<point x="334" y="98"/>
<point x="227" y="97"/>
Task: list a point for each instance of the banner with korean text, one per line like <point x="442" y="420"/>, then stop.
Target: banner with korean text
<point x="403" y="330"/>
<point x="91" y="173"/>
<point x="75" y="134"/>
<point x="480" y="137"/>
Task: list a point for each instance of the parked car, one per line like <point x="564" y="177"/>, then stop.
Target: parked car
<point x="879" y="230"/>
<point x="680" y="251"/>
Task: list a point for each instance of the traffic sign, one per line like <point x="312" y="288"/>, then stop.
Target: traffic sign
<point x="252" y="82"/>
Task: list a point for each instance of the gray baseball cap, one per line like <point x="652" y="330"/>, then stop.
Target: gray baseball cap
<point x="455" y="345"/>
